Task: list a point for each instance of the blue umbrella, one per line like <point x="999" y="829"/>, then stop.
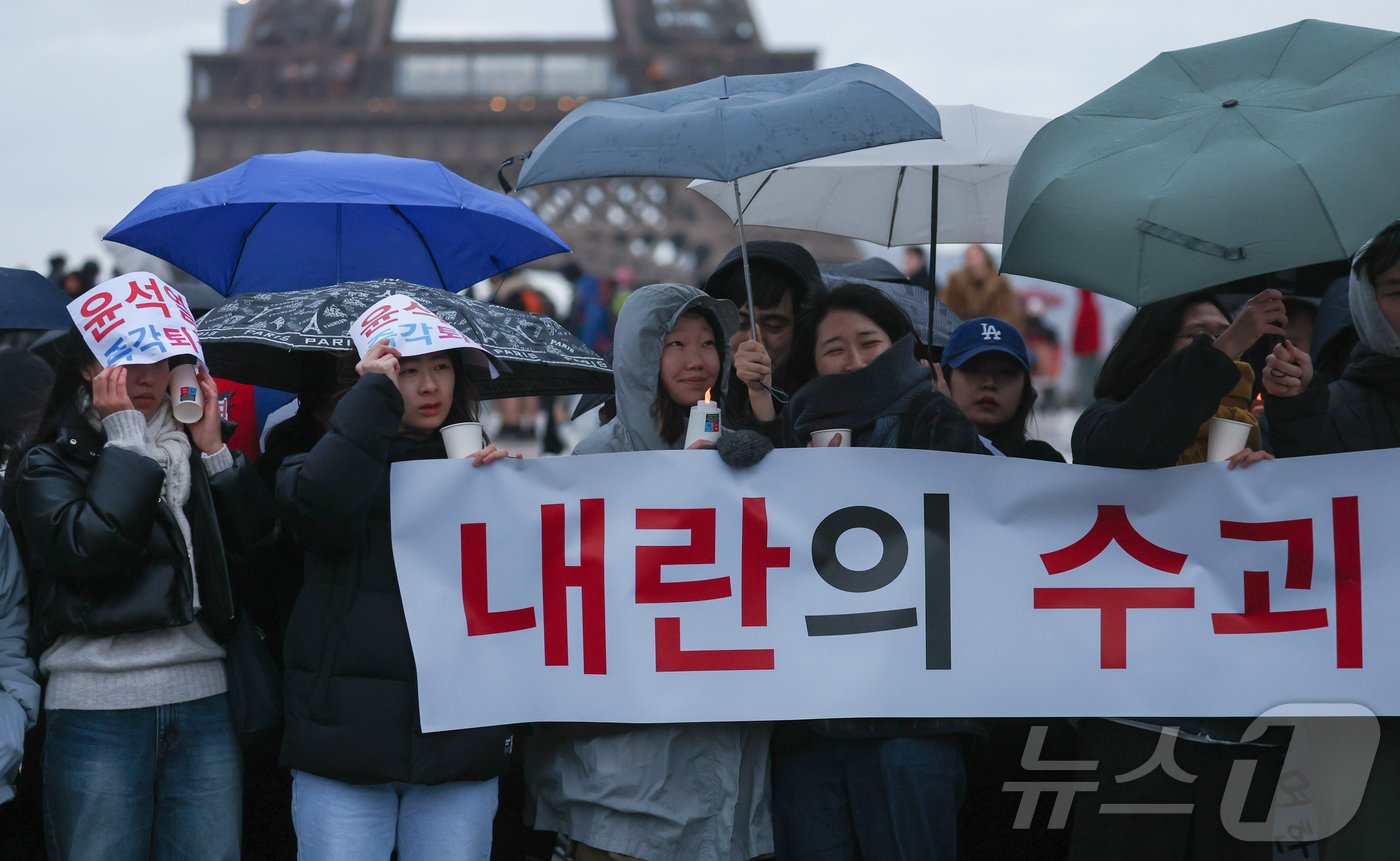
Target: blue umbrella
<point x="286" y="222"/>
<point x="29" y="301"/>
<point x="729" y="127"/>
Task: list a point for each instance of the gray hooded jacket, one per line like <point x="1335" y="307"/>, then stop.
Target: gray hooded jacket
<point x="19" y="692"/>
<point x="646" y="317"/>
<point x="687" y="792"/>
<point x="1360" y="411"/>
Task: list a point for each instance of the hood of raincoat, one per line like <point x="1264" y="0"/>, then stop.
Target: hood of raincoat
<point x="1372" y="328"/>
<point x="646" y="317"/>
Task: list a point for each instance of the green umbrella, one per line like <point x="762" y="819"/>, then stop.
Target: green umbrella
<point x="1216" y="163"/>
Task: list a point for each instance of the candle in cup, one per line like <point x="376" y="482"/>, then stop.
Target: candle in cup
<point x="704" y="422"/>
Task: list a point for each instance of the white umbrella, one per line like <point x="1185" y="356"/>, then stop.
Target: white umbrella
<point x="883" y="194"/>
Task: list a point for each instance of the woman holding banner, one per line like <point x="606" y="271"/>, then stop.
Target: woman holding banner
<point x="887" y="789"/>
<point x="657" y="792"/>
<point x="1175" y="368"/>
<point x="1358" y="412"/>
<point x="367" y="782"/>
<point x="114" y="507"/>
<point x="986" y="370"/>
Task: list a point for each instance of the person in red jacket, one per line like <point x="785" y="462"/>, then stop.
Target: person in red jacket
<point x="1085" y="347"/>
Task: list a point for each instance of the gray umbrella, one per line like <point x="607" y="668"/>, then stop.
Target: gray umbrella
<point x="912" y="299"/>
<point x="290" y="340"/>
<point x="729" y="127"/>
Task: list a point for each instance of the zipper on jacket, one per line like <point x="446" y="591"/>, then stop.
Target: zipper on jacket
<point x="189" y="557"/>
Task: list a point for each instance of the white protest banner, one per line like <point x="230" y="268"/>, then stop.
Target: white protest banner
<point x="136" y="319"/>
<point x="666" y="587"/>
<point x="413" y="330"/>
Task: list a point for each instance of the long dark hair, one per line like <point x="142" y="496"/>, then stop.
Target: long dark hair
<point x="1146" y="342"/>
<point x="671" y="416"/>
<point x="858" y="298"/>
<point x="67" y="354"/>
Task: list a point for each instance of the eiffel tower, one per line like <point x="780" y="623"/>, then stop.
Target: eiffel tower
<point x="329" y="75"/>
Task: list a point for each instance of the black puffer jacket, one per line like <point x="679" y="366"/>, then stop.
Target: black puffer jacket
<point x="1359" y="412"/>
<point x="351" y="681"/>
<point x="1162" y="416"/>
<point x="104" y="551"/>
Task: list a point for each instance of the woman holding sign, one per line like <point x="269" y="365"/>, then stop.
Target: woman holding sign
<point x="114" y="504"/>
<point x="657" y="792"/>
<point x="1175" y="370"/>
<point x="366" y="780"/>
<point x="887" y="789"/>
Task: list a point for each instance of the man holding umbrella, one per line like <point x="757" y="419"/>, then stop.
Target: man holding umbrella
<point x="785" y="278"/>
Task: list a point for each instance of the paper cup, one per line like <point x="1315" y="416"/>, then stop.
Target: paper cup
<point x="462" y="439"/>
<point x="1227" y="437"/>
<point x="186" y="402"/>
<point x="822" y="438"/>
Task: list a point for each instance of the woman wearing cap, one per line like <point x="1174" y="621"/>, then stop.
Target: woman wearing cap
<point x="113" y="503"/>
<point x="695" y="791"/>
<point x="367" y="782"/>
<point x="1174" y="368"/>
<point x="986" y="371"/>
<point x="887" y="789"/>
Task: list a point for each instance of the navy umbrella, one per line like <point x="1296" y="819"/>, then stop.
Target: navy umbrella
<point x="300" y="220"/>
<point x="729" y="127"/>
<point x="289" y="341"/>
<point x="29" y="301"/>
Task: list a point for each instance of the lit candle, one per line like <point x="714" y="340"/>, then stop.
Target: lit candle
<point x="704" y="422"/>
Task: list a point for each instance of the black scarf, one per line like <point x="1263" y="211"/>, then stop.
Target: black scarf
<point x="858" y="399"/>
<point x="1375" y="371"/>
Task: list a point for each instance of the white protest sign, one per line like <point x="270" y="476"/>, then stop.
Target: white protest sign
<point x="136" y="319"/>
<point x="412" y="330"/>
<point x="666" y="587"/>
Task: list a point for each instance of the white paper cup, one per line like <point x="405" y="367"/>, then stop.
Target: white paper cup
<point x="462" y="439"/>
<point x="186" y="402"/>
<point x="1227" y="437"/>
<point x="822" y="438"/>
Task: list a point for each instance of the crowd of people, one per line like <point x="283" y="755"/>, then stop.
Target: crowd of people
<point x="134" y="547"/>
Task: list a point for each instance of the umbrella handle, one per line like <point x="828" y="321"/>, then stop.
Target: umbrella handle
<point x="501" y="171"/>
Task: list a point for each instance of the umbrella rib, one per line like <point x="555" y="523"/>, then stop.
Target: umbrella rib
<point x="1321" y="205"/>
<point x="426" y="248"/>
<point x="744" y="210"/>
<point x="1364" y="56"/>
<point x="899" y="183"/>
<point x="243" y="244"/>
<point x="1338" y="103"/>
<point x="1185" y="71"/>
<point x="1277" y="60"/>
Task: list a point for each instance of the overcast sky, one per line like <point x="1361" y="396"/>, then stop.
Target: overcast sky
<point x="95" y="90"/>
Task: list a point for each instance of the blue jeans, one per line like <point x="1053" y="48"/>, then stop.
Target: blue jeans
<point x="879" y="799"/>
<point x="338" y="821"/>
<point x="153" y="783"/>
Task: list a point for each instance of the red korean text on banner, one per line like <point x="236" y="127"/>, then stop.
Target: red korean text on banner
<point x="671" y="656"/>
<point x="1113" y="602"/>
<point x="1259" y="617"/>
